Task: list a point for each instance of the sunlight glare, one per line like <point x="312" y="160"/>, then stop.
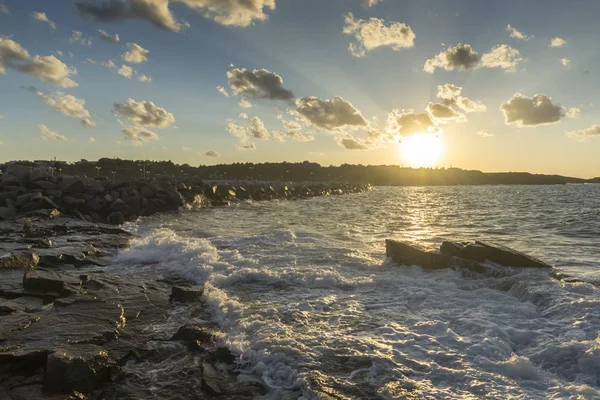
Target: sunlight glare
<point x="422" y="150"/>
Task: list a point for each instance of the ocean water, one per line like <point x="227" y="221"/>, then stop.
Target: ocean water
<point x="307" y="301"/>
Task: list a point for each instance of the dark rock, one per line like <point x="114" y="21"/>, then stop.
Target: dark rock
<point x="23" y="199"/>
<point x="72" y="184"/>
<point x="115" y="218"/>
<point x="451" y="249"/>
<point x="72" y="201"/>
<point x="46" y="185"/>
<point x="41" y="202"/>
<point x="39" y="243"/>
<point x="37" y="174"/>
<point x="19" y="171"/>
<point x="81" y="368"/>
<point x="195" y="334"/>
<point x="7" y="213"/>
<point x="120" y="206"/>
<point x="402" y="253"/>
<point x="12" y="195"/>
<point x="43" y="282"/>
<point x="56" y="194"/>
<point x="186" y="294"/>
<point x="480" y="251"/>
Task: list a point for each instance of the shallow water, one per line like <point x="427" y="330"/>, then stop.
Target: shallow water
<point x="310" y="305"/>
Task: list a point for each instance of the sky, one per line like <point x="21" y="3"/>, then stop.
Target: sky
<point x="493" y="86"/>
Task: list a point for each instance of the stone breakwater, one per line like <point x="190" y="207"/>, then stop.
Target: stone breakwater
<point x="27" y="192"/>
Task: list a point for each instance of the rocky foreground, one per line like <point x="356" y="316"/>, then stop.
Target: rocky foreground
<point x="27" y="192"/>
<point x="72" y="329"/>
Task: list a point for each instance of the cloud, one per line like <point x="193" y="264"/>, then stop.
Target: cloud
<point x="485" y="133"/>
<point x="451" y="95"/>
<point x="77" y="37"/>
<point x="375" y="33"/>
<point x="48" y="134"/>
<point x="144" y="78"/>
<point x="223" y="91"/>
<point x="245" y="146"/>
<point x="407" y="122"/>
<point x="41" y="16"/>
<point x="573" y="113"/>
<point x="463" y="57"/>
<point x="245" y="103"/>
<point x="558" y="42"/>
<point x="136" y="54"/>
<point x="525" y="111"/>
<point x="350" y="143"/>
<point x="67" y="104"/>
<point x="126" y="71"/>
<point x="565" y="61"/>
<point x="107" y="37"/>
<point x="226" y="12"/>
<point x="210" y="153"/>
<point x="502" y="56"/>
<point x="46" y="68"/>
<point x="235" y="129"/>
<point x="109" y="64"/>
<point x="258" y="84"/>
<point x="185" y="149"/>
<point x="3" y="9"/>
<point x="329" y="114"/>
<point x="257" y="129"/>
<point x="292" y="135"/>
<point x="291" y="125"/>
<point x="443" y="113"/>
<point x="584" y="135"/>
<point x="154" y="11"/>
<point x="138" y="135"/>
<point x="91" y="139"/>
<point x="514" y="33"/>
<point x="369" y="3"/>
<point x="88" y="122"/>
<point x="144" y="113"/>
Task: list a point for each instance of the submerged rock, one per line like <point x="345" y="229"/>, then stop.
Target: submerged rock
<point x="184" y="294"/>
<point x="480" y="251"/>
<point x="402" y="253"/>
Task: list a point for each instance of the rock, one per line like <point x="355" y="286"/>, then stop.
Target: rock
<point x="451" y="249"/>
<point x="40" y="202"/>
<point x="12" y="195"/>
<point x="19" y="261"/>
<point x="46" y="185"/>
<point x="115" y="218"/>
<point x="120" y="206"/>
<point x="56" y="194"/>
<point x="95" y="204"/>
<point x="480" y="251"/>
<point x="402" y="253"/>
<point x="72" y="184"/>
<point x="194" y="334"/>
<point x="72" y="201"/>
<point x="24" y="199"/>
<point x="7" y="213"/>
<point x="37" y="174"/>
<point x="186" y="294"/>
<point x="21" y="172"/>
<point x="81" y="368"/>
<point x="44" y="282"/>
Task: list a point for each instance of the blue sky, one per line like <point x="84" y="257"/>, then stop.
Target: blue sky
<point x="304" y="43"/>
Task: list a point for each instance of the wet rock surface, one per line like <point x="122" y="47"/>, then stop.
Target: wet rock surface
<point x="466" y="255"/>
<point x="71" y="329"/>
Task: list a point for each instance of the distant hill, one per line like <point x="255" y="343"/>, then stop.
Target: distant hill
<point x="391" y="175"/>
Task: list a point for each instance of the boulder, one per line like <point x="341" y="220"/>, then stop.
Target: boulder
<point x="21" y="172"/>
<point x="40" y="202"/>
<point x="120" y="206"/>
<point x="12" y="195"/>
<point x="402" y="253"/>
<point x="115" y="218"/>
<point x="37" y="174"/>
<point x="184" y="294"/>
<point x="19" y="261"/>
<point x="480" y="251"/>
<point x="44" y="282"/>
<point x="72" y="184"/>
<point x="72" y="201"/>
<point x="46" y="185"/>
<point x="194" y="334"/>
<point x="7" y="213"/>
<point x="24" y="199"/>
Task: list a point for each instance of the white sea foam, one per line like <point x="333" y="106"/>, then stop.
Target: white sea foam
<point x="309" y="304"/>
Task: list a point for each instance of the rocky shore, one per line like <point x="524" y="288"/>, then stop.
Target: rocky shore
<point x="27" y="192"/>
<point x="72" y="329"/>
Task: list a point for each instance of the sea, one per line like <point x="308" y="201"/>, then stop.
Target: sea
<point x="312" y="309"/>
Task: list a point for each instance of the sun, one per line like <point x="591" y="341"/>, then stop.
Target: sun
<point x="421" y="150"/>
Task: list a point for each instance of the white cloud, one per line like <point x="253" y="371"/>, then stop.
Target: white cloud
<point x="245" y="146"/>
<point x="185" y="149"/>
<point x="46" y="68"/>
<point x="136" y="54"/>
<point x="235" y="129"/>
<point x="525" y="111"/>
<point x="584" y="135"/>
<point x="144" y="78"/>
<point x="109" y="64"/>
<point x="565" y="61"/>
<point x="485" y="133"/>
<point x="443" y="113"/>
<point x="88" y="122"/>
<point x="407" y="122"/>
<point x="257" y="129"/>
<point x="48" y="134"/>
<point x="514" y="33"/>
<point x="90" y="61"/>
<point x="157" y="12"/>
<point x="139" y="135"/>
<point x="463" y="57"/>
<point x="41" y="16"/>
<point x="91" y="139"/>
<point x="245" y="103"/>
<point x="573" y="113"/>
<point x="369" y="3"/>
<point x="329" y="114"/>
<point x="210" y="153"/>
<point x="144" y="113"/>
<point x="291" y="125"/>
<point x="125" y="71"/>
<point x="107" y="37"/>
<point x="374" y="33"/>
<point x="350" y="143"/>
<point x="451" y="95"/>
<point x="558" y="42"/>
<point x="223" y="91"/>
<point x="77" y="37"/>
<point x="292" y="135"/>
<point x="67" y="104"/>
<point x="258" y="84"/>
